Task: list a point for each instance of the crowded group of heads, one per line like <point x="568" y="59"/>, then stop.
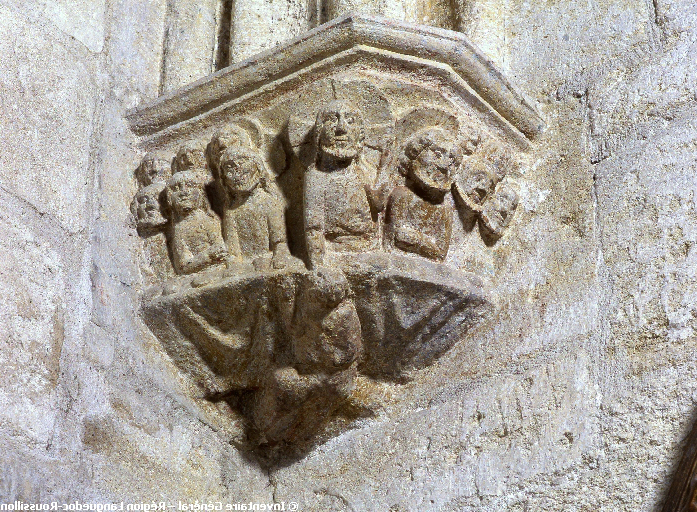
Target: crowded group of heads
<point x="433" y="160"/>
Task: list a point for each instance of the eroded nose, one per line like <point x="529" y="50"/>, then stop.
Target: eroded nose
<point x="341" y="126"/>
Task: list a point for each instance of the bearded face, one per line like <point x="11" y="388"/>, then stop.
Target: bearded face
<point x="240" y="172"/>
<point x="340" y="132"/>
<point x="184" y="193"/>
<point x="432" y="168"/>
<point x="147" y="207"/>
<point x="479" y="182"/>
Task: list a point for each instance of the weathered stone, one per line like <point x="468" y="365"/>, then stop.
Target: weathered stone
<point x="536" y="355"/>
<point x="330" y="281"/>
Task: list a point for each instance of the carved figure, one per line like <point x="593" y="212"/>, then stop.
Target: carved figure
<point x="327" y="332"/>
<point x="498" y="211"/>
<point x="147" y="209"/>
<point x="253" y="222"/>
<point x="474" y="185"/>
<point x="230" y="135"/>
<point x="195" y="237"/>
<point x="339" y="203"/>
<point x="326" y="344"/>
<point x="497" y="157"/>
<point x="152" y="169"/>
<point x="480" y="174"/>
<point x="293" y="407"/>
<point x="190" y="157"/>
<point x="418" y="219"/>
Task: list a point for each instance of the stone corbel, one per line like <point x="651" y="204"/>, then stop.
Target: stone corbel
<point x="314" y="214"/>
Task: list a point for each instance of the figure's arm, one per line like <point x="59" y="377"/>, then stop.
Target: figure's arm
<point x="181" y="254"/>
<point x="313" y="205"/>
<point x="377" y="190"/>
<point x="278" y="240"/>
<point x="277" y="228"/>
<point x="193" y="263"/>
<point x="410" y="239"/>
<point x="214" y="249"/>
<point x="217" y="251"/>
<point x="377" y="197"/>
<point x="231" y="238"/>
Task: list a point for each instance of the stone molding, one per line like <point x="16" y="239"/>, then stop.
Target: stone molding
<point x="353" y="31"/>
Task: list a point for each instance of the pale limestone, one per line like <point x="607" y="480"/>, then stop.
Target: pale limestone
<point x="82" y="20"/>
<point x="49" y="112"/>
<point x="576" y="398"/>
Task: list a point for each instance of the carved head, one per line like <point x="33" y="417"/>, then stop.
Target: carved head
<point x="241" y="169"/>
<point x="497" y="156"/>
<point x="478" y="182"/>
<point x="152" y="169"/>
<point x="190" y="157"/>
<point x="430" y="160"/>
<point x="470" y="141"/>
<point x="498" y="211"/>
<point x="339" y="131"/>
<point x="231" y="135"/>
<point x="147" y="208"/>
<point x="326" y="288"/>
<point x="185" y="193"/>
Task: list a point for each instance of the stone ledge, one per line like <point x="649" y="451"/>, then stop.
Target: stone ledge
<point x="444" y="46"/>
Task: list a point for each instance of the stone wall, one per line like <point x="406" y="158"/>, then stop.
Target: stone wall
<point x="578" y="395"/>
<point x="91" y="408"/>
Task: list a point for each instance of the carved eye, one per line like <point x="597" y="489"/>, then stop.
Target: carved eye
<point x="350" y="119"/>
<point x="230" y="166"/>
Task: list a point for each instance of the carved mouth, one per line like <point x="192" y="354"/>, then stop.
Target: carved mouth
<point x="443" y="172"/>
<point x="149" y="215"/>
<point x="475" y="197"/>
<point x="478" y="195"/>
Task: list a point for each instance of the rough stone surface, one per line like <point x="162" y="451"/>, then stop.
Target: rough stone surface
<point x="309" y="260"/>
<point x="577" y="397"/>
